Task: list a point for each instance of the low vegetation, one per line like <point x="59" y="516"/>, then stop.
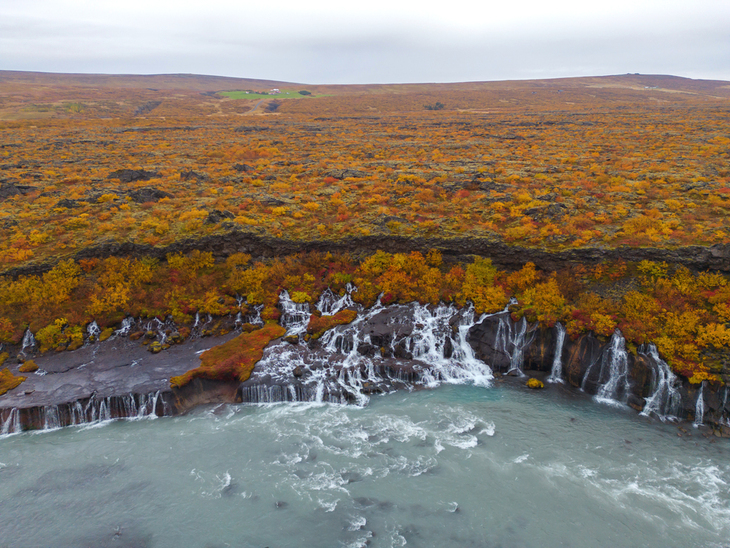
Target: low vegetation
<point x="234" y="360"/>
<point x="685" y="314"/>
<point x="100" y="180"/>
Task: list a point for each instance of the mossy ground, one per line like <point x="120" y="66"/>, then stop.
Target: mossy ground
<point x="8" y="381"/>
<point x="233" y="360"/>
<point x="319" y="324"/>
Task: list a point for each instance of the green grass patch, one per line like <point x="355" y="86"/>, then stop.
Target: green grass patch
<point x="254" y="95"/>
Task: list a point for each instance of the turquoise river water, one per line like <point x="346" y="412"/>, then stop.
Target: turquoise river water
<point x="460" y="466"/>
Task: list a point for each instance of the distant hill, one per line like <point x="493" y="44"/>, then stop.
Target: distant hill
<point x="203" y="83"/>
<point x="191" y="82"/>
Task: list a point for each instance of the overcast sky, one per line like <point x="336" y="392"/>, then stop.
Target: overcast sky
<point x="373" y="41"/>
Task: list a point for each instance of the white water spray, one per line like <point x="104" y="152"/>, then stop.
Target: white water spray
<point x="700" y="407"/>
<point x="613" y="375"/>
<point x="294" y="316"/>
<point x="556" y="373"/>
<point x="28" y="341"/>
<point x="665" y="399"/>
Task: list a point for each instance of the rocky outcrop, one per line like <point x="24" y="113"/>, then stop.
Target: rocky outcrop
<point x="716" y="257"/>
<point x="586" y="363"/>
<point x="132" y="175"/>
<point x="383" y="349"/>
<point x="148" y="194"/>
<point x="118" y="378"/>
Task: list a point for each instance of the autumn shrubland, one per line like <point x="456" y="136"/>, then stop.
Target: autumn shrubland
<point x="100" y="178"/>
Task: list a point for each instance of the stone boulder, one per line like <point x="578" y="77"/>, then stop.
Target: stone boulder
<point x="132" y="175"/>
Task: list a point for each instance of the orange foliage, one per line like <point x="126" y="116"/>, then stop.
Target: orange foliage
<point x="233" y="360"/>
<point x="319" y="324"/>
<point x="8" y="381"/>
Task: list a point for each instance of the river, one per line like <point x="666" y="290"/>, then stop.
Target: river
<point x="458" y="465"/>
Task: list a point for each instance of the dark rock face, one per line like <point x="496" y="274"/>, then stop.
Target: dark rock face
<point x="553" y="212"/>
<point x="345" y="173"/>
<point x="584" y="362"/>
<point x="67" y="203"/>
<point x="148" y="194"/>
<point x="216" y="216"/>
<point x="132" y="175"/>
<point x="716" y="257"/>
<point x="243" y="168"/>
<point x="118" y="378"/>
<point x="147" y="107"/>
<point x="8" y="189"/>
<point x="191" y="175"/>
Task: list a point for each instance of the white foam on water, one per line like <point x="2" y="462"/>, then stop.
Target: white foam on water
<point x="357" y="523"/>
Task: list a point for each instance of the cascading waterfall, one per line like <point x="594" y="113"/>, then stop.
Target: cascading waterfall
<point x="512" y="341"/>
<point x="700" y="407"/>
<point x="254" y="317"/>
<point x="294" y="316"/>
<point x="665" y="399"/>
<point x="28" y="341"/>
<point x="11" y="425"/>
<point x="613" y="375"/>
<point x="127" y="406"/>
<point x="556" y="373"/>
<point x="345" y="366"/>
<point x="330" y="304"/>
<point x="436" y="334"/>
<point x="93" y="331"/>
<point x="126" y="327"/>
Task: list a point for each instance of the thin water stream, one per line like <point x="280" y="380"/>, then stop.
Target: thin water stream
<point x="459" y="465"/>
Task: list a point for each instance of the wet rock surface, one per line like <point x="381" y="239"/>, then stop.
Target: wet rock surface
<point x="115" y="367"/>
<point x="382" y="350"/>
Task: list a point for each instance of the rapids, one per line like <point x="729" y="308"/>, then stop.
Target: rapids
<point x="460" y="465"/>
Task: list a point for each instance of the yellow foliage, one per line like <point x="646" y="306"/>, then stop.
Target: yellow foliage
<point x="197" y="260"/>
<point x="249" y="283"/>
<point x="535" y="383"/>
<point x="715" y="335"/>
<point x="434" y="258"/>
<point x="653" y="270"/>
<point x="8" y="381"/>
<point x="107" y="198"/>
<point x="237" y="261"/>
<point x="523" y="278"/>
<point x="300" y="297"/>
<point x="193" y="214"/>
<point x="545" y="302"/>
<point x="28" y="367"/>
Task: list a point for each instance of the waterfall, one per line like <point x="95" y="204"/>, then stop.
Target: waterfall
<point x="351" y="362"/>
<point x="50" y="417"/>
<point x="93" y="331"/>
<point x="28" y="341"/>
<point x="330" y="304"/>
<point x="556" y="373"/>
<point x="665" y="399"/>
<point x="294" y="316"/>
<point x="700" y="407"/>
<point x="447" y="327"/>
<point x="254" y="317"/>
<point x="613" y="375"/>
<point x="513" y="342"/>
<point x="126" y="327"/>
<point x="11" y="425"/>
